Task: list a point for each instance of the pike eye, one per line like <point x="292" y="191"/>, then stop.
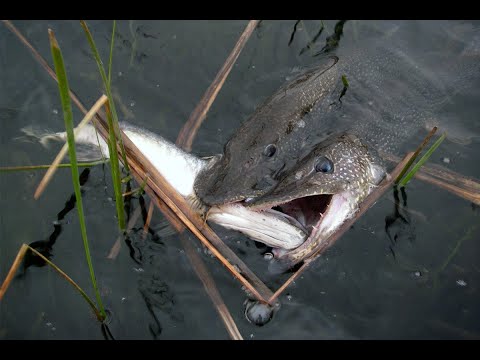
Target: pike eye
<point x="270" y="150"/>
<point x="324" y="165"/>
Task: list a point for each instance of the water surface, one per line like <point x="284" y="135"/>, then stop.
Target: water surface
<point x="373" y="284"/>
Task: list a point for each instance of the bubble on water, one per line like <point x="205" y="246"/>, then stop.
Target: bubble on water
<point x="55" y="111"/>
<point x="289" y="297"/>
<point x="49" y="324"/>
<point x="251" y="336"/>
<point x="446" y="160"/>
<point x="258" y="313"/>
<point x="120" y="73"/>
<point x="132" y="103"/>
<point x="268" y="256"/>
<point x="461" y="282"/>
<point x="138" y="270"/>
<point x="208" y="252"/>
<point x="417" y="273"/>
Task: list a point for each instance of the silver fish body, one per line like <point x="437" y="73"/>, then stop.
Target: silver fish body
<point x="180" y="169"/>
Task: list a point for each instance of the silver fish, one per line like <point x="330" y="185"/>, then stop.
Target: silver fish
<point x="180" y="169"/>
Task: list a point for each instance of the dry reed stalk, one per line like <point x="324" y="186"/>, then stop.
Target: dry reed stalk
<point x="148" y="219"/>
<point x="462" y="186"/>
<point x="185" y="140"/>
<point x="189" y="130"/>
<point x="13" y="269"/>
<point x="210" y="287"/>
<point x="112" y="255"/>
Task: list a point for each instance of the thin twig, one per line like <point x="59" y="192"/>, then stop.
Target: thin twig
<point x="474" y="197"/>
<point x="112" y="255"/>
<point x="45" y="65"/>
<point x="42" y="167"/>
<point x="17" y="262"/>
<point x="13" y="269"/>
<point x="185" y="140"/>
<point x="29" y="46"/>
<point x="210" y="287"/>
<point x="131" y="192"/>
<point x="189" y="130"/>
<point x="148" y="220"/>
<point x="462" y="186"/>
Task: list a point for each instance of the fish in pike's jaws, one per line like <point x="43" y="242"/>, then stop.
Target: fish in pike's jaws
<point x="322" y="191"/>
<point x="181" y="169"/>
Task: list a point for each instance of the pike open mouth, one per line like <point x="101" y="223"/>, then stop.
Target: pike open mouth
<point x="290" y="226"/>
<point x="317" y="215"/>
<point x="305" y="212"/>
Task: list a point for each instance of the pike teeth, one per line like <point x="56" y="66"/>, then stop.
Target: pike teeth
<point x="196" y="204"/>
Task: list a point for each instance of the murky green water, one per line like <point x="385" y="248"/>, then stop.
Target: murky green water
<point x="371" y="284"/>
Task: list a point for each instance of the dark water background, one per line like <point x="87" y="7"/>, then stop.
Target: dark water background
<point x="370" y="285"/>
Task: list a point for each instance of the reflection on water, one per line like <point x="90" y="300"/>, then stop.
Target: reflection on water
<point x="45" y="247"/>
<point x="402" y="76"/>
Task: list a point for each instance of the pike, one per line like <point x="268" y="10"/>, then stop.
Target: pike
<point x="278" y="182"/>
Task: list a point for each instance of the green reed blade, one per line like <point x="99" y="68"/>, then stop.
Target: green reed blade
<point x="41" y="167"/>
<point x="422" y="160"/>
<point x="116" y="178"/>
<point x="415" y="155"/>
<point x="106" y="81"/>
<point x="99" y="314"/>
<point x="113" y="127"/>
<point x="68" y="117"/>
